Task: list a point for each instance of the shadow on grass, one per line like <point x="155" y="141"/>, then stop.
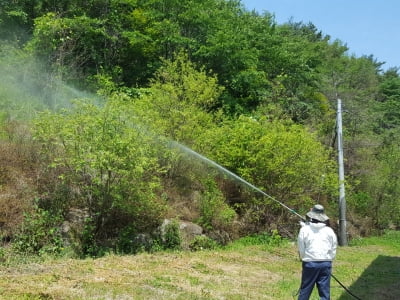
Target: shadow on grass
<point x="379" y="281"/>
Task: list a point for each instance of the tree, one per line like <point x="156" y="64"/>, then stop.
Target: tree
<point x="71" y="46"/>
<point x="378" y="193"/>
<point x="178" y="101"/>
<point x="389" y="101"/>
<point x="279" y="157"/>
<point x="108" y="165"/>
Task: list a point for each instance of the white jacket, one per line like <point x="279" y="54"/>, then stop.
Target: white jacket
<point x="317" y="242"/>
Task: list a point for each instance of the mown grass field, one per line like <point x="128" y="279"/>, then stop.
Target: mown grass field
<point x="369" y="267"/>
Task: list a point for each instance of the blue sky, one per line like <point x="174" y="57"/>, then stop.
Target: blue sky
<point x="365" y="26"/>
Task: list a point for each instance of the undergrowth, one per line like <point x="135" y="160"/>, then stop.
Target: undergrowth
<point x="272" y="239"/>
<point x="39" y="234"/>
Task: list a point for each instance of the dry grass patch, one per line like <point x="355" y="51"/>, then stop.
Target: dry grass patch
<point x="248" y="272"/>
<point x="184" y="275"/>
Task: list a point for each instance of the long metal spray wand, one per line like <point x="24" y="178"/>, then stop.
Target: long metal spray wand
<point x="186" y="149"/>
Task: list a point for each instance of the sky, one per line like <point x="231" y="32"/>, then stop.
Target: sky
<point x="365" y="26"/>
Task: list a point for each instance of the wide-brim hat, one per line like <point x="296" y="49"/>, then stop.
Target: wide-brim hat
<point x="317" y="213"/>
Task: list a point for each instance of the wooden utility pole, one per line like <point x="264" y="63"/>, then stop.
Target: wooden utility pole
<point x="342" y="199"/>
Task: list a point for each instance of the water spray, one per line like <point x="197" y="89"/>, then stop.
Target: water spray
<point x="213" y="163"/>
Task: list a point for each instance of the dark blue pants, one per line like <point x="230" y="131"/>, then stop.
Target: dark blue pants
<point x="316" y="273"/>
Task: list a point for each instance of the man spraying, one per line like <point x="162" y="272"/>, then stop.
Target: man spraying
<point x="317" y="244"/>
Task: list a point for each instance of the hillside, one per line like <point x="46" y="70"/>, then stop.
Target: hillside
<point x="370" y="268"/>
<point x="107" y="106"/>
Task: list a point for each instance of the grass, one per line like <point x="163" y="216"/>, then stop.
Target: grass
<point x="369" y="267"/>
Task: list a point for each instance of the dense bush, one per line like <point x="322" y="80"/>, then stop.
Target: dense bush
<point x="215" y="212"/>
<point x="111" y="165"/>
<point x="39" y="233"/>
<point x="278" y="157"/>
<point x="203" y="242"/>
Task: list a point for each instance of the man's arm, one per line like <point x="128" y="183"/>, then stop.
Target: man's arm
<point x="334" y="245"/>
<point x="300" y="243"/>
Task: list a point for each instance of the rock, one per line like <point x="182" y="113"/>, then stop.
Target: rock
<point x="73" y="225"/>
<point x="187" y="230"/>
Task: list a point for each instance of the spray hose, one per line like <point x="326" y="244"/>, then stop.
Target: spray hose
<point x="345" y="288"/>
<point x="341" y="284"/>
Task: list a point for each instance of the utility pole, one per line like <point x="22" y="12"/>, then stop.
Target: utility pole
<point x="342" y="199"/>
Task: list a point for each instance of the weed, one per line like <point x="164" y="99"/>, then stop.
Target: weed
<point x="272" y="239"/>
<point x="172" y="238"/>
<point x="39" y="233"/>
<point x="202" y="242"/>
<point x="215" y="212"/>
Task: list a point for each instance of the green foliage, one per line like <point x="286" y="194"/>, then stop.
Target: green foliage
<point x="39" y="233"/>
<point x="88" y="244"/>
<point x="388" y="238"/>
<point x="210" y="75"/>
<point x="388" y="195"/>
<point x="215" y="213"/>
<point x="131" y="242"/>
<point x="125" y="242"/>
<point x="125" y="40"/>
<point x="14" y="22"/>
<point x="272" y="239"/>
<point x="171" y="237"/>
<point x="389" y="86"/>
<point x="177" y="101"/>
<point x="202" y="242"/>
<point x="381" y="185"/>
<point x="27" y="88"/>
<point x="112" y="163"/>
<point x="72" y="45"/>
<point x="281" y="158"/>
<point x="361" y="202"/>
<point x="390" y="117"/>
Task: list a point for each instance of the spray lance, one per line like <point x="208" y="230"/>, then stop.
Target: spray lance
<point x="233" y="175"/>
<point x="273" y="199"/>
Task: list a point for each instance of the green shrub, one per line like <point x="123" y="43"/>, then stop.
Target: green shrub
<point x="39" y="233"/>
<point x="113" y="166"/>
<point x="272" y="239"/>
<point x="89" y="245"/>
<point x="279" y="157"/>
<point x="131" y="242"/>
<point x="202" y="242"/>
<point x="215" y="213"/>
<point x="172" y="238"/>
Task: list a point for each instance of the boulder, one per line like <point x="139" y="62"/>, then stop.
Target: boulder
<point x="188" y="231"/>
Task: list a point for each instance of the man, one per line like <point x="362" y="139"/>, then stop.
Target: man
<point x="317" y="249"/>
